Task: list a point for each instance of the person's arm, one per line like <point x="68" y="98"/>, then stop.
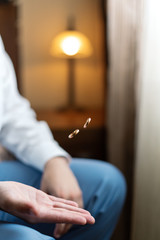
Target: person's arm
<point x="31" y="141"/>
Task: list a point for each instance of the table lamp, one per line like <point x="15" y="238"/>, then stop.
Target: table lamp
<point x="71" y="44"/>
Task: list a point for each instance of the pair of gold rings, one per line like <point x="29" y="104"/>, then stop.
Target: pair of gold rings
<point x="75" y="132"/>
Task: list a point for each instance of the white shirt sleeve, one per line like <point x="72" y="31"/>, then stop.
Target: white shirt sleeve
<point x="31" y="141"/>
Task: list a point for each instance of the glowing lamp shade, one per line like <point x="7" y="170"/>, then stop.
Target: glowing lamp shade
<point x="71" y="44"/>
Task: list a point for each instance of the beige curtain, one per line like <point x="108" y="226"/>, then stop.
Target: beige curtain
<point x="123" y="27"/>
<point x="122" y="38"/>
<point x="146" y="208"/>
<point x="134" y="96"/>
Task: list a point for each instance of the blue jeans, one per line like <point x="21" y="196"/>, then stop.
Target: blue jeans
<point x="103" y="188"/>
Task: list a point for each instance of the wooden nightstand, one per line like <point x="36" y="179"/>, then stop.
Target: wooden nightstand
<point x="89" y="143"/>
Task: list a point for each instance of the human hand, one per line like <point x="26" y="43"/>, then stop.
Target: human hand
<point x="36" y="206"/>
<point x="59" y="180"/>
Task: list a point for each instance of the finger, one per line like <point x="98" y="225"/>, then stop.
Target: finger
<point x="62" y="200"/>
<point x="58" y="215"/>
<point x="71" y="208"/>
<point x="59" y="228"/>
<point x="89" y="219"/>
<point x="67" y="228"/>
<point x="61" y="216"/>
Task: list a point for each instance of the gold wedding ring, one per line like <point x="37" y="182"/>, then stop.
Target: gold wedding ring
<point x="87" y="122"/>
<point x="73" y="134"/>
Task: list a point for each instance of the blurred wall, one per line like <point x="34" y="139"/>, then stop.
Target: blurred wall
<point x="44" y="78"/>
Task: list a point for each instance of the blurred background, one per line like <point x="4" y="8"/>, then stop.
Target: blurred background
<point x="98" y="59"/>
<point x="44" y="75"/>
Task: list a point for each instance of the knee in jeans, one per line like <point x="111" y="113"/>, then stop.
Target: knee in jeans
<point x="114" y="185"/>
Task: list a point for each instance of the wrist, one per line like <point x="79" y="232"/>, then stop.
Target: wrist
<point x="56" y="161"/>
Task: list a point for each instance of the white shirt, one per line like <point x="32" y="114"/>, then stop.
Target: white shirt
<point x="31" y="141"/>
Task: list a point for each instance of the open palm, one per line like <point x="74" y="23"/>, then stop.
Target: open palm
<point x="35" y="206"/>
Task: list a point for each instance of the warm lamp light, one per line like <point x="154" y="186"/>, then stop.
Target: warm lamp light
<point x="71" y="45"/>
